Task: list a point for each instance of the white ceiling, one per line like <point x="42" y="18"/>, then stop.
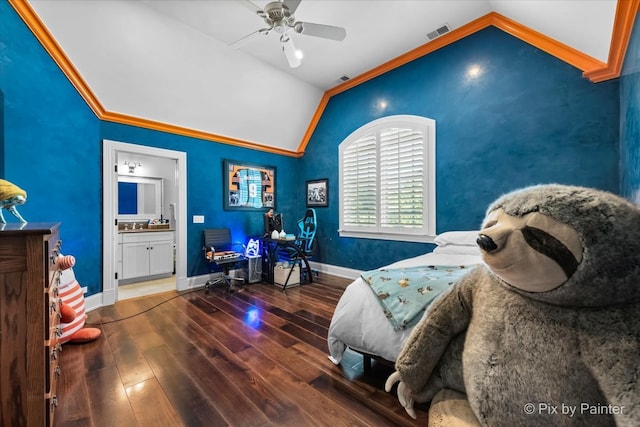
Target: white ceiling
<point x="170" y="61"/>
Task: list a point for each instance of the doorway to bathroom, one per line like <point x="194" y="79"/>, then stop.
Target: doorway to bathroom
<point x="144" y="195"/>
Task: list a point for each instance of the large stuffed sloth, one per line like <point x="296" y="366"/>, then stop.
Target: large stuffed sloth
<point x="547" y="330"/>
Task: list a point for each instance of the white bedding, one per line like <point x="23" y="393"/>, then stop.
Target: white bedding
<point x="359" y="322"/>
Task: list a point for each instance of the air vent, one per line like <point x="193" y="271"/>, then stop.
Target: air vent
<point x="439" y="31"/>
<point x="342" y="79"/>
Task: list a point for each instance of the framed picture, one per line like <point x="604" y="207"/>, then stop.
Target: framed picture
<point x="318" y="193"/>
<point x="248" y="186"/>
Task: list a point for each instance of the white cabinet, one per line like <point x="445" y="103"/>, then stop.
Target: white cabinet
<point x="161" y="257"/>
<point x="135" y="260"/>
<point x="146" y="254"/>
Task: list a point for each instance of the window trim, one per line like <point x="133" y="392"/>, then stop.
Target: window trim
<point x="427" y="232"/>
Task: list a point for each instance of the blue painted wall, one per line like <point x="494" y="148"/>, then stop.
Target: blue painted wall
<point x="52" y="146"/>
<point x="53" y="150"/>
<point x="630" y="119"/>
<point x="528" y="118"/>
<point x="204" y="185"/>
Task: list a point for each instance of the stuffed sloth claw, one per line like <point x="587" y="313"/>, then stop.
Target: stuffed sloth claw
<point x="393" y="378"/>
<point x="404" y="394"/>
<point x="406" y="399"/>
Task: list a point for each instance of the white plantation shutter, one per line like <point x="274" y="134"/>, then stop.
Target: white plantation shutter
<point x="360" y="166"/>
<point x="402" y="156"/>
<point x="387" y="180"/>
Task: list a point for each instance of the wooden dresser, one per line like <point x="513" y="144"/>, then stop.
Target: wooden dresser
<point x="29" y="323"/>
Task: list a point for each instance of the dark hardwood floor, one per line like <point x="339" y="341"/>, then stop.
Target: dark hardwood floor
<point x="255" y="357"/>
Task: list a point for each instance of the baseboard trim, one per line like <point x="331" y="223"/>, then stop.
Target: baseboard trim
<point x="96" y="301"/>
<point x="92" y="302"/>
<point x="335" y="270"/>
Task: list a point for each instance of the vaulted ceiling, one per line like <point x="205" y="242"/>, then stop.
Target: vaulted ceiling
<point x="185" y="66"/>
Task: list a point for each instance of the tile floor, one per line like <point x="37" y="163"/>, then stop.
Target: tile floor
<point x="134" y="290"/>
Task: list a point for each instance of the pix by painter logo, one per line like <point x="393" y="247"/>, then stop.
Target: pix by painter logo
<point x="549" y="409"/>
<point x="545" y="408"/>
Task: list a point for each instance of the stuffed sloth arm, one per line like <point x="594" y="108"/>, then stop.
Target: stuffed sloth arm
<point x="447" y="318"/>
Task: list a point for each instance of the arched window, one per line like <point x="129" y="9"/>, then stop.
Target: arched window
<point x="387" y="180"/>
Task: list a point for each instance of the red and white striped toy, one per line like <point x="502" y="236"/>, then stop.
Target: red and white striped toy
<point x="72" y="305"/>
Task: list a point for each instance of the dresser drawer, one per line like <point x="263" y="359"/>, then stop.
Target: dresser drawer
<point x="51" y="402"/>
<point x="54" y="287"/>
<point x="55" y="248"/>
<point x="52" y="317"/>
<point x="54" y="327"/>
<point x="52" y="368"/>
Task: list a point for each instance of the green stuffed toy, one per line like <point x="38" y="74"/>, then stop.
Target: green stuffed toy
<point x="547" y="330"/>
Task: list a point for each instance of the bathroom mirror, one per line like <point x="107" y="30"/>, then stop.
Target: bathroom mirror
<point x="139" y="197"/>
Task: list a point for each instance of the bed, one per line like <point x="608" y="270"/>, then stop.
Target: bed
<point x="362" y="324"/>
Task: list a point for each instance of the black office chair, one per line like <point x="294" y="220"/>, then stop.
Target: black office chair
<point x="221" y="256"/>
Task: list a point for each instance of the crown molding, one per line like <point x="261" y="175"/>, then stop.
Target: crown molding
<point x="192" y="133"/>
<point x="594" y="70"/>
<point x="626" y="13"/>
<point x="40" y="31"/>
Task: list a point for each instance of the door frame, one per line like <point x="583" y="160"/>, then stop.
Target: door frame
<point x="110" y="150"/>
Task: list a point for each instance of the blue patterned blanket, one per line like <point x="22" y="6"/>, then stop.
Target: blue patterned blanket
<point x="404" y="293"/>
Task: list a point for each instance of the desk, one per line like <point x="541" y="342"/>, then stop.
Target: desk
<point x="270" y="256"/>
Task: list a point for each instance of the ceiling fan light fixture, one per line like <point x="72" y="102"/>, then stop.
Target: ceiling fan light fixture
<point x="280" y="29"/>
<point x="290" y="51"/>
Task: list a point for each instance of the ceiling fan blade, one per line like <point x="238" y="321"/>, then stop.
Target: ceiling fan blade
<point x="320" y="30"/>
<point x="252" y="7"/>
<point x="290" y="52"/>
<point x="292" y="5"/>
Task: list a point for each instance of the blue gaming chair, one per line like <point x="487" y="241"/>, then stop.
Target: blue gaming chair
<point x="307" y="226"/>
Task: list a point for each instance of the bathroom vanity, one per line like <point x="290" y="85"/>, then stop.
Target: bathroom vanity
<point x="144" y="254"/>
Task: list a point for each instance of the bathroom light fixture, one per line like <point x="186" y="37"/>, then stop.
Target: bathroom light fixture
<point x="132" y="166"/>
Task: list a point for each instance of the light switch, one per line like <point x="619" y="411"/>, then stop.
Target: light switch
<point x="198" y="219"/>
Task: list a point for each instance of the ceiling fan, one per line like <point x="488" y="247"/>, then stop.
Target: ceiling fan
<point x="278" y="16"/>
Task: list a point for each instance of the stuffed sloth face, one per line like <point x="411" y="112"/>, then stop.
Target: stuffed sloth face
<point x="565" y="245"/>
<point x="533" y="252"/>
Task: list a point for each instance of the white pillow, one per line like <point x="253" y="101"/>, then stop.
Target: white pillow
<point x="457" y="250"/>
<point x="463" y="238"/>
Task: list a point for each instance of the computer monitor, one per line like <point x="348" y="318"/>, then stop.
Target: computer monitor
<point x="272" y="221"/>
